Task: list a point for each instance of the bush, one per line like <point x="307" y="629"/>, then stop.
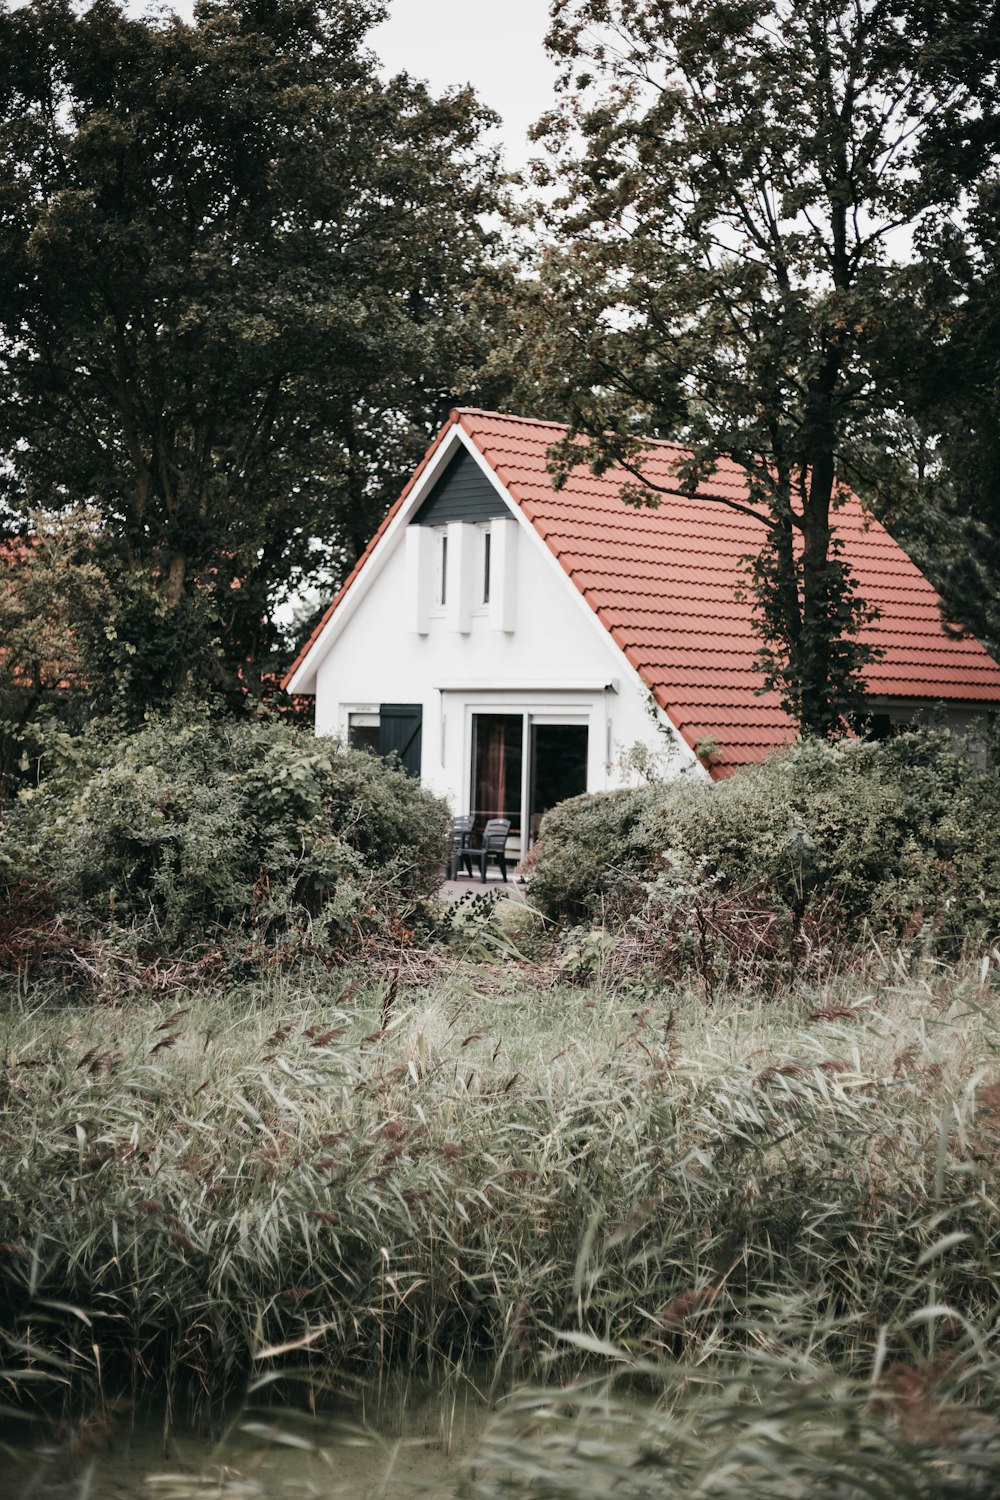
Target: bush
<point x="588" y="848"/>
<point x="191" y="827"/>
<point x="895" y="835"/>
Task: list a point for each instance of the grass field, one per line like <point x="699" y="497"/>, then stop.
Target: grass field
<point x="747" y="1247"/>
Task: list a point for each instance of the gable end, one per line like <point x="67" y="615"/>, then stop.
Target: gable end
<point x="463" y="493"/>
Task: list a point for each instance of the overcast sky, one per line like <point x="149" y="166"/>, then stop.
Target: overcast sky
<point x="496" y="45"/>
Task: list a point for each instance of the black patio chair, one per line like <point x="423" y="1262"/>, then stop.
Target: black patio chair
<point x="461" y="832"/>
<point x="494" y="846"/>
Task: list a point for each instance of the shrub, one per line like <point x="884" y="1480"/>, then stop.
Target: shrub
<point x="895" y="835"/>
<point x="190" y="827"/>
<point x="590" y="849"/>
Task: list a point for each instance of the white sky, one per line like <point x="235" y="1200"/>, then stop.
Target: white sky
<point x="496" y="45"/>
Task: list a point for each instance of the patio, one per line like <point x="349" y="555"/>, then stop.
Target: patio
<point x="454" y="890"/>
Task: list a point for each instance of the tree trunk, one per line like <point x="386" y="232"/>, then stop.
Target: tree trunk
<point x="176" y="575"/>
<point x="819" y="713"/>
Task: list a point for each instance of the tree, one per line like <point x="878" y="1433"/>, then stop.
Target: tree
<point x="952" y="405"/>
<point x="50" y="586"/>
<point x="725" y="266"/>
<point x="233" y="301"/>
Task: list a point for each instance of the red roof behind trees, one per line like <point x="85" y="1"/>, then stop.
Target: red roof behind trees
<point x="662" y="582"/>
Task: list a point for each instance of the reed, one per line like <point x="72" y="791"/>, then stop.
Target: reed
<point x="504" y="1184"/>
<point x="788" y="1420"/>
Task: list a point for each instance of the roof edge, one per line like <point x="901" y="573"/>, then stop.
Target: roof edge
<point x="453" y="420"/>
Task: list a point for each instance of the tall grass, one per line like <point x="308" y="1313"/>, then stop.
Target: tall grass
<point x="788" y="1420"/>
<point x="505" y="1184"/>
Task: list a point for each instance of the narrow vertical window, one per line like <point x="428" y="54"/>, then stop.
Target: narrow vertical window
<point x="444" y="569"/>
<point x="486" y="567"/>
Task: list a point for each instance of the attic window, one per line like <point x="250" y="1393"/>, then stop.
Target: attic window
<point x="442" y="589"/>
<point x="461" y="572"/>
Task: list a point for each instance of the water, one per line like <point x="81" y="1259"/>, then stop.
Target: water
<point x="419" y="1450"/>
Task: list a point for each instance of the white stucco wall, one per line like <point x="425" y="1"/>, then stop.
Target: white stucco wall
<point x="558" y="660"/>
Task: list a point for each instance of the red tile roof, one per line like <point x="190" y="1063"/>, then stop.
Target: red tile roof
<point x="662" y="581"/>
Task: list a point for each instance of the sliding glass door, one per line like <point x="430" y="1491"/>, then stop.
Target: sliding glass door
<point x="522" y="765"/>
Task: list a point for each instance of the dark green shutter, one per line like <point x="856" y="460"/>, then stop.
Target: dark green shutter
<point x="401" y="730"/>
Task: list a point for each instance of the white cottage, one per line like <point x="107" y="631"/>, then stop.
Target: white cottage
<point x="513" y="643"/>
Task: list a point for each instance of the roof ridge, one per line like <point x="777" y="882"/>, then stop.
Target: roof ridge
<point x="503" y="416"/>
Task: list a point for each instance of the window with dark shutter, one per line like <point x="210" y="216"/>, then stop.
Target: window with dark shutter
<point x="400" y="732"/>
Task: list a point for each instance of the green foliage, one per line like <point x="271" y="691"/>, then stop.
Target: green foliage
<point x="234" y="303"/>
<point x="828" y="654"/>
<point x="797" y="1422"/>
<point x="894" y="835"/>
<point x="498" y="1179"/>
<point x="719" y="270"/>
<point x="191" y="827"/>
<point x="53" y="594"/>
<point x="586" y="850"/>
<point x="952" y="398"/>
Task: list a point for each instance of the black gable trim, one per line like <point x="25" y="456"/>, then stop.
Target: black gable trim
<point x="463" y="493"/>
